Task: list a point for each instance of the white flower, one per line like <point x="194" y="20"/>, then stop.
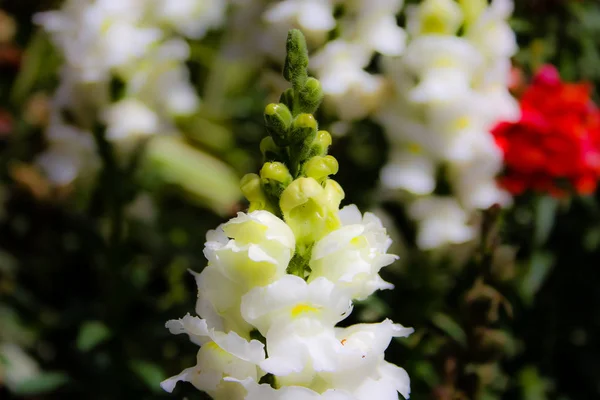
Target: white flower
<point x="352" y="255"/>
<point x="297" y="319"/>
<point x="252" y="249"/>
<point x="248" y="251"/>
<point x="413" y="171"/>
<point x="375" y="26"/>
<point x="339" y="66"/>
<point x="445" y="65"/>
<point x="362" y="369"/>
<point x="450" y="91"/>
<point x="491" y="33"/>
<point x="266" y="392"/>
<point x="98" y="36"/>
<point x="219" y="301"/>
<point x="71" y="152"/>
<point x="220" y="355"/>
<point x="441" y="221"/>
<point x="475" y="181"/>
<point x="192" y="18"/>
<point x="162" y="80"/>
<point x="442" y="17"/>
<point x="130" y="118"/>
<point x="310" y="15"/>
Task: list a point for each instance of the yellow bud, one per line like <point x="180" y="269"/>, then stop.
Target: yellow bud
<point x="310" y="209"/>
<point x="324" y="138"/>
<point x="276" y="171"/>
<point x="252" y="190"/>
<point x="321" y="143"/>
<point x="320" y="168"/>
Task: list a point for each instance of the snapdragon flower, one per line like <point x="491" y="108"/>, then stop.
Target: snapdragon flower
<point x="450" y="90"/>
<point x="138" y="44"/>
<point x="287" y="271"/>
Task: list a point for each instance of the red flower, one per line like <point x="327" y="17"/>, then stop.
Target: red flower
<point x="556" y="143"/>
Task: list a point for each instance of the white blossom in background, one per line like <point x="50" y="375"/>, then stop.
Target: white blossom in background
<point x="450" y="89"/>
<point x="245" y="292"/>
<point x="140" y="43"/>
<point x="365" y="27"/>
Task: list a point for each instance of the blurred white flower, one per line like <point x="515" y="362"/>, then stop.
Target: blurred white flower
<point x="450" y="89"/>
<point x="129" y="118"/>
<point x="71" y="152"/>
<point x="310" y="15"/>
<point x="136" y="46"/>
<point x="411" y="171"/>
<point x="191" y="18"/>
<point x="442" y="220"/>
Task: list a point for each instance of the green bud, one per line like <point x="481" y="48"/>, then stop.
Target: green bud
<point x="269" y="149"/>
<point x="278" y="119"/>
<point x="277" y="172"/>
<point x="320" y="168"/>
<point x="252" y="190"/>
<point x="304" y="129"/>
<point x="287" y="98"/>
<point x="310" y="96"/>
<point x="296" y="61"/>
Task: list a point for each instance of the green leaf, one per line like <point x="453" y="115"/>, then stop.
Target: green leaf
<point x="43" y="383"/>
<point x="450" y="327"/>
<point x="533" y="386"/>
<point x="91" y="334"/>
<point x="545" y="213"/>
<point x="425" y="371"/>
<point x="207" y="180"/>
<point x="535" y="274"/>
<point x="150" y="373"/>
<point x="39" y="62"/>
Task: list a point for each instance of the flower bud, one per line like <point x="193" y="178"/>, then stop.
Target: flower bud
<point x="304" y="129"/>
<point x="320" y="168"/>
<point x="296" y="61"/>
<point x="276" y="171"/>
<point x="321" y="143"/>
<point x="275" y="177"/>
<point x="287" y="98"/>
<point x="278" y="119"/>
<point x="269" y="149"/>
<point x="310" y="96"/>
<point x="310" y="209"/>
<point x="252" y="190"/>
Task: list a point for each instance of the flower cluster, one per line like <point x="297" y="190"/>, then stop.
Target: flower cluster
<point x="362" y="27"/>
<point x="280" y="277"/>
<point x="124" y="62"/>
<point x="555" y="146"/>
<point x="451" y="88"/>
